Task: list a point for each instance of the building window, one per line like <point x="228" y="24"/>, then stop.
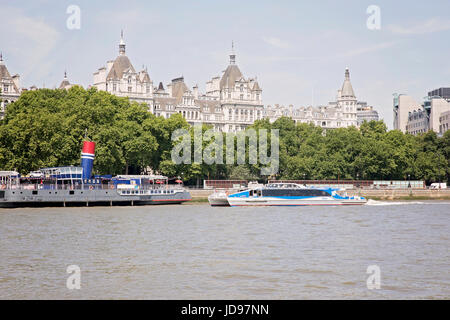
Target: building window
<point x="129" y="89"/>
<point x="5" y="88"/>
<point x="241" y="97"/>
<point x="114" y="87"/>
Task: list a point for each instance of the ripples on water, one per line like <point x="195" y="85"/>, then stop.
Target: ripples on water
<point x="199" y="252"/>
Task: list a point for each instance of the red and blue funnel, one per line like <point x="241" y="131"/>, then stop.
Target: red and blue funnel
<point x="87" y="158"/>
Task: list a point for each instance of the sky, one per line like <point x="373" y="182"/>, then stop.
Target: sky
<point x="298" y="50"/>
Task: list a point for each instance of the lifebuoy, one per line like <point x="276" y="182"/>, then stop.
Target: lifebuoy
<point x="111" y="186"/>
<point x="91" y="188"/>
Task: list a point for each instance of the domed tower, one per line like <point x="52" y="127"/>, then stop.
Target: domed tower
<point x="347" y="101"/>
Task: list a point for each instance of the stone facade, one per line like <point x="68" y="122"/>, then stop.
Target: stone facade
<point x="345" y="111"/>
<point x="121" y="79"/>
<point x="444" y="122"/>
<point x="231" y="101"/>
<point x="417" y="122"/>
<point x="9" y="87"/>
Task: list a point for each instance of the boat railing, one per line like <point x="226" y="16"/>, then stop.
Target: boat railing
<point x="109" y="186"/>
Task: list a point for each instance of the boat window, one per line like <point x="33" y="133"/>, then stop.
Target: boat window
<point x="294" y="193"/>
<point x="34" y="192"/>
<point x="70" y="192"/>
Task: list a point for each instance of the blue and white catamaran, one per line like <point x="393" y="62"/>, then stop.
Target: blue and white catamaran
<point x="291" y="194"/>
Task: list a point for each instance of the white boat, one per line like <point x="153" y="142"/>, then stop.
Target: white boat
<point x="218" y="199"/>
<point x="291" y="194"/>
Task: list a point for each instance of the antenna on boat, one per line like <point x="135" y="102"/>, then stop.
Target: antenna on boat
<point x="85" y="133"/>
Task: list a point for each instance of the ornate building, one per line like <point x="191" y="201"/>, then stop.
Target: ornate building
<point x="231" y="101"/>
<point x="121" y="79"/>
<point x="240" y="98"/>
<point x="9" y="87"/>
<point x="230" y="104"/>
<point x="65" y="84"/>
<point x="346" y="111"/>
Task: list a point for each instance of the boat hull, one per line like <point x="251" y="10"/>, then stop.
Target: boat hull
<point x="218" y="199"/>
<point x="103" y="197"/>
<point x="272" y="201"/>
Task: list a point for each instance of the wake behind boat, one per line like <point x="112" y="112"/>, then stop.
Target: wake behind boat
<point x="291" y="194"/>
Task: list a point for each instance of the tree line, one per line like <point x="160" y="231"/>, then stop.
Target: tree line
<point x="46" y="127"/>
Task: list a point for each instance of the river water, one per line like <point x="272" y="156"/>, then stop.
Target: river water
<point x="198" y="252"/>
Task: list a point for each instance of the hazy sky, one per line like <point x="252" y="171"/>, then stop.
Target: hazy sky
<point x="298" y="50"/>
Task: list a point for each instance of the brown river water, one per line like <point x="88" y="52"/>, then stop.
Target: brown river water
<point x="193" y="251"/>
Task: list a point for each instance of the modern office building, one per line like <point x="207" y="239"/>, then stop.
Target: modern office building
<point x="444" y="93"/>
<point x="415" y="118"/>
<point x="365" y="112"/>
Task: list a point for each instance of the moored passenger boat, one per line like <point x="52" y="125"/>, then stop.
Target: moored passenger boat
<point x="291" y="194"/>
<point x="75" y="186"/>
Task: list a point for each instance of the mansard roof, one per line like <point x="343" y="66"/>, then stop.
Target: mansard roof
<point x="256" y="87"/>
<point x="231" y="74"/>
<point x="164" y="101"/>
<point x="207" y="103"/>
<point x="120" y="65"/>
<point x="144" y="76"/>
<point x="4" y="73"/>
<point x="179" y="88"/>
<point x="64" y="84"/>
